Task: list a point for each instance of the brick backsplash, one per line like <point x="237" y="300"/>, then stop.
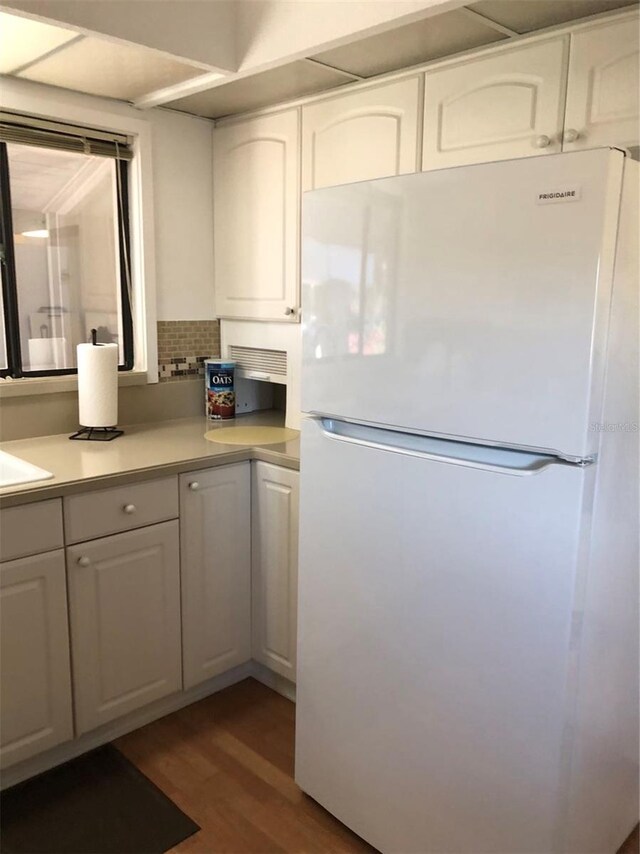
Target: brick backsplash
<point x="183" y="345"/>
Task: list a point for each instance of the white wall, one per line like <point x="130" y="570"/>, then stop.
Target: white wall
<point x="181" y="175"/>
<point x="183" y="192"/>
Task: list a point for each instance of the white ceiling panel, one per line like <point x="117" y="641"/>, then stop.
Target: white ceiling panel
<point x="524" y="16"/>
<point x="260" y="90"/>
<point x="38" y="174"/>
<point x="100" y="67"/>
<point x="431" y="38"/>
<point x="23" y="40"/>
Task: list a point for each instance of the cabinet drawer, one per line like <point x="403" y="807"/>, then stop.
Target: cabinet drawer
<point x="30" y="529"/>
<point x="109" y="511"/>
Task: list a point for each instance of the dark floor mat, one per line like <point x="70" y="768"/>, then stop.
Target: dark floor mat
<point x="97" y="804"/>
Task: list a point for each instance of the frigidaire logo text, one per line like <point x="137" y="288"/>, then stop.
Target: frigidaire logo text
<point x="218" y="380"/>
<point x="562" y="194"/>
<point x="565" y="194"/>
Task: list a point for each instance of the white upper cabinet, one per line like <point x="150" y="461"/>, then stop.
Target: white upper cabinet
<point x="124" y="603"/>
<point x="256" y="223"/>
<point x="602" y="93"/>
<point x="215" y="537"/>
<point x="368" y="134"/>
<point x="35" y="702"/>
<point x="508" y="103"/>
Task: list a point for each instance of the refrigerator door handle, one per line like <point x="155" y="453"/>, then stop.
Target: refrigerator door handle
<point x="499" y="460"/>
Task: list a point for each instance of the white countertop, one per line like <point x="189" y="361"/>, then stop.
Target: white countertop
<point x="145" y="451"/>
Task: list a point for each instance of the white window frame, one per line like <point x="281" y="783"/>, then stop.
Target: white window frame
<point x="87" y="111"/>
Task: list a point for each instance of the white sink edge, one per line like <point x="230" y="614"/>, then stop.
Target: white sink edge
<point x="15" y="471"/>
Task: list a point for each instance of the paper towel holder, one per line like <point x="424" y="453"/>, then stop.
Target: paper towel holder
<point x="97" y="434"/>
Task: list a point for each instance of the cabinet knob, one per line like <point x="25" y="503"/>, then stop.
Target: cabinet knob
<point x="571" y="135"/>
<point x="194" y="485"/>
<point x="543" y="141"/>
<point x="129" y="509"/>
<point x="84" y="561"/>
<point x="289" y="311"/>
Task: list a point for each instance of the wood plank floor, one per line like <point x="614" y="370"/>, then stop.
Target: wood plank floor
<point x="227" y="761"/>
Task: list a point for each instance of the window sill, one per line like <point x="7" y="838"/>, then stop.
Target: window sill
<point x="51" y="385"/>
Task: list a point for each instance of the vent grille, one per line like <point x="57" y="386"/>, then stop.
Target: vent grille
<point x="260" y="360"/>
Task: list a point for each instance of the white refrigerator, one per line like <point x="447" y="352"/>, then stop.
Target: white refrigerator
<point x="468" y="570"/>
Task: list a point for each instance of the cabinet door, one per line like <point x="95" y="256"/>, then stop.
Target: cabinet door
<point x="369" y="134"/>
<point x="124" y="602"/>
<point x="215" y="536"/>
<point x="35" y="702"/>
<point x="602" y="93"/>
<point x="256" y="225"/>
<point x="274" y="584"/>
<point x="507" y="104"/>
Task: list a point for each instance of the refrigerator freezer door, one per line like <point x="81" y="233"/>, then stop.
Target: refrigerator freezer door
<point x="469" y="302"/>
<point x="435" y="614"/>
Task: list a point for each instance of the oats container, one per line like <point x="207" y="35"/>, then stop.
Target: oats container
<point x="220" y="395"/>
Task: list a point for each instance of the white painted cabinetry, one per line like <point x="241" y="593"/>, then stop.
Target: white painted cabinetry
<point x="89" y="515"/>
<point x="30" y="529"/>
<point x="602" y="92"/>
<point x="124" y="603"/>
<point x="139" y="615"/>
<point x="35" y="701"/>
<point x="275" y="496"/>
<point x="256" y="223"/>
<point x="507" y="103"/>
<point x="215" y="536"/>
<point x="371" y="133"/>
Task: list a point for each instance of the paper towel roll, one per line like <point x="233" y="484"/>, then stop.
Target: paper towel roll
<point x="98" y="384"/>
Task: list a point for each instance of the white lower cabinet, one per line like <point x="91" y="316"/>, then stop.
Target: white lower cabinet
<point x="143" y="614"/>
<point x="124" y="603"/>
<point x="35" y="701"/>
<point x="215" y="529"/>
<point x="274" y="597"/>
